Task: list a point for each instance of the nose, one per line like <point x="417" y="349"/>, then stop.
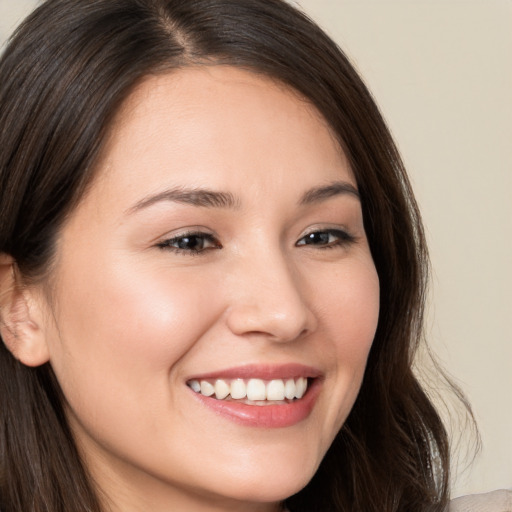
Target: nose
<point x="269" y="298"/>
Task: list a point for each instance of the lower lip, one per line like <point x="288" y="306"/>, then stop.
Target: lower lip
<point x="265" y="416"/>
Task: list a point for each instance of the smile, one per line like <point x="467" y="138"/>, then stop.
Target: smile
<point x="260" y="395"/>
<point x="252" y="390"/>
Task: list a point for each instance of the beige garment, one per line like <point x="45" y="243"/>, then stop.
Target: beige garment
<point x="496" y="501"/>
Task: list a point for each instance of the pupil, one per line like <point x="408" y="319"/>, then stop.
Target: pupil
<point x="190" y="242"/>
<point x="318" y="238"/>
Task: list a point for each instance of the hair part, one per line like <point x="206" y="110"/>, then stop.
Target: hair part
<point x="65" y="74"/>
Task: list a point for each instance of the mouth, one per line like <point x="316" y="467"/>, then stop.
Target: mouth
<point x="252" y="391"/>
<point x="259" y="396"/>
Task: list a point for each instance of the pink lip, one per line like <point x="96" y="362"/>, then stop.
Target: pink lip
<point x="264" y="372"/>
<point x="265" y="416"/>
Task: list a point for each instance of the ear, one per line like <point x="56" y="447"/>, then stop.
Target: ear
<point x="21" y="327"/>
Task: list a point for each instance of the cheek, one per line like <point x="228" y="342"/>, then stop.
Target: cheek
<point x="351" y="306"/>
<point x="351" y="317"/>
<point x="358" y="318"/>
<point x="119" y="327"/>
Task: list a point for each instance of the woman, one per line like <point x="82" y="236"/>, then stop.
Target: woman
<point x="212" y="273"/>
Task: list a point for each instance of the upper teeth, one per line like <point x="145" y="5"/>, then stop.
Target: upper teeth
<point x="253" y="389"/>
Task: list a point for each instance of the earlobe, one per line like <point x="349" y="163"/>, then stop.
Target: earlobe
<point x="20" y="317"/>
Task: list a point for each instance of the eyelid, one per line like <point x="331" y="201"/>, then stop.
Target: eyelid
<point x="196" y="230"/>
<point x="166" y="243"/>
<point x="345" y="237"/>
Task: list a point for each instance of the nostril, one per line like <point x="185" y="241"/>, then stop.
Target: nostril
<point x="278" y="328"/>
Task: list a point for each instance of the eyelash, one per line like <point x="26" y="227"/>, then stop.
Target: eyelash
<point x="342" y="239"/>
<point x="205" y="237"/>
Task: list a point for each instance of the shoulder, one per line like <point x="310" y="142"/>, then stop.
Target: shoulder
<point x="496" y="501"/>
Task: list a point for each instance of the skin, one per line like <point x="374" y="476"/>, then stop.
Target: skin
<point x="129" y="322"/>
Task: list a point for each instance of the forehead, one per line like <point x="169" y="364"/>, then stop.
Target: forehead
<point x="184" y="89"/>
<point x="219" y="127"/>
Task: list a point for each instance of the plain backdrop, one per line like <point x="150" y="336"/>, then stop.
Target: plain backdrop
<point x="441" y="71"/>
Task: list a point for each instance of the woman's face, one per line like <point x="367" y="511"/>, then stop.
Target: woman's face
<point x="220" y="247"/>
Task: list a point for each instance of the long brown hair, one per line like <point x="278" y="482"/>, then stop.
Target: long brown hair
<point x="63" y="76"/>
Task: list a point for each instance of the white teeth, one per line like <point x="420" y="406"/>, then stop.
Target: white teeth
<point x="258" y="390"/>
<point x="194" y="384"/>
<point x="301" y="386"/>
<point x="206" y="388"/>
<point x="238" y="389"/>
<point x="289" y="389"/>
<point x="222" y="389"/>
<point x="275" y="390"/>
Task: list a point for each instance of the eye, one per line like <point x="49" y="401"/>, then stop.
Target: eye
<point x="327" y="238"/>
<point x="192" y="243"/>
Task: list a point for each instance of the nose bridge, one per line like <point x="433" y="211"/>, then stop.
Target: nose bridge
<point x="269" y="296"/>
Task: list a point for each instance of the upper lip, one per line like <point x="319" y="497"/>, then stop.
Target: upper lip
<point x="261" y="371"/>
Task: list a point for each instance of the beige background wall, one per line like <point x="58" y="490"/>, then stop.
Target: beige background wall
<point x="441" y="70"/>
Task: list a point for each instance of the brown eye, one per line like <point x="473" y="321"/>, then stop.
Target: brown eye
<point x="191" y="243"/>
<point x="327" y="238"/>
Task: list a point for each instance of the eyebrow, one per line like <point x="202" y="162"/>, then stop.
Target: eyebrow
<point x="195" y="197"/>
<point x="212" y="199"/>
<point x="319" y="194"/>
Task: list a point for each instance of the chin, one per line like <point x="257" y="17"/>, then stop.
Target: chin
<point x="270" y="490"/>
<point x="273" y="480"/>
